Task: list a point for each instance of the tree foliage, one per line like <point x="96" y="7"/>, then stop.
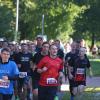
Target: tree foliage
<point x="62" y="18"/>
<point x="58" y="20"/>
<point x="87" y="24"/>
<point x="7" y="15"/>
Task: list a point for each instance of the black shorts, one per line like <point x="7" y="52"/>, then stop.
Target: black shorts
<point x="35" y="79"/>
<point x="22" y="81"/>
<point x="73" y="83"/>
<point x="5" y="96"/>
<point x="35" y="83"/>
<point x="47" y="92"/>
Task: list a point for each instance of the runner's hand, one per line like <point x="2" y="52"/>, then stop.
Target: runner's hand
<point x="70" y="76"/>
<point x="91" y="75"/>
<point x="39" y="71"/>
<point x="44" y="69"/>
<point x="33" y="69"/>
<point x="61" y="74"/>
<point x="5" y="78"/>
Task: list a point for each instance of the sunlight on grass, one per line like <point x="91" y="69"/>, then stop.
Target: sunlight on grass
<point x="97" y="89"/>
<point x="84" y="96"/>
<point x="89" y="89"/>
<point x="65" y="87"/>
<point x="97" y="60"/>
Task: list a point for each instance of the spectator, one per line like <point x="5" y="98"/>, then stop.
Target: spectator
<point x="39" y="40"/>
<point x="94" y="51"/>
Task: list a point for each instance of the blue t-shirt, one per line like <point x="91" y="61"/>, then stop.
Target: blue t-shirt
<point x="8" y="69"/>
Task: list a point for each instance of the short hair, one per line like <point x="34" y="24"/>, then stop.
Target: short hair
<point x="5" y="49"/>
<point x="77" y="41"/>
<point x="11" y="44"/>
<point x="57" y="40"/>
<point x="45" y="43"/>
<point x="23" y="44"/>
<point x="83" y="49"/>
<point x="39" y="37"/>
<point x="53" y="45"/>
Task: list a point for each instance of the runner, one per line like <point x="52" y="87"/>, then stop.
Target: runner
<point x="36" y="76"/>
<point x="50" y="69"/>
<point x="8" y="73"/>
<point x="24" y="60"/>
<point x="77" y="75"/>
<point x="68" y="69"/>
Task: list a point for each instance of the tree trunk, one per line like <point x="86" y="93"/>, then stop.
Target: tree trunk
<point x="93" y="40"/>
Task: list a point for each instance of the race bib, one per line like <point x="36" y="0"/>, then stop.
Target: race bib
<point x="22" y="74"/>
<point x="4" y="84"/>
<point x="80" y="74"/>
<point x="80" y="71"/>
<point x="51" y="81"/>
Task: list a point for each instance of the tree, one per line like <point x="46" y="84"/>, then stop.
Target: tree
<point x="87" y="25"/>
<point x="59" y="18"/>
<point x="62" y="18"/>
<point x="7" y="16"/>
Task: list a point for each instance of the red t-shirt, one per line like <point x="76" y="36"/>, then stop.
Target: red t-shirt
<point x="50" y="77"/>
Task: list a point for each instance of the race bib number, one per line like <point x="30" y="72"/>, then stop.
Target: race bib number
<point x="80" y="71"/>
<point x="22" y="74"/>
<point x="80" y="74"/>
<point x="51" y="81"/>
<point x="4" y="84"/>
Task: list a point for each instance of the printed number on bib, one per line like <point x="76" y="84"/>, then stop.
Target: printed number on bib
<point x="4" y="84"/>
<point x="51" y="81"/>
<point x="22" y="74"/>
<point x="80" y="74"/>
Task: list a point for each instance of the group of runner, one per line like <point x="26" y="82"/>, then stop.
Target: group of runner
<point x="77" y="62"/>
<point x="35" y="71"/>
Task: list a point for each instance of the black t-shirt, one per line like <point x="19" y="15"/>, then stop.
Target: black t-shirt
<point x="38" y="49"/>
<point x="69" y="60"/>
<point x="13" y="56"/>
<point x="79" y="68"/>
<point x="24" y="59"/>
<point x="36" y="59"/>
<point x="70" y="57"/>
<point x="60" y="54"/>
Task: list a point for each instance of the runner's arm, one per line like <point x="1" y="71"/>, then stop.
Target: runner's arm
<point x="90" y="72"/>
<point x="11" y="78"/>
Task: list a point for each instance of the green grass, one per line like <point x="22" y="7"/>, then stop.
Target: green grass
<point x="95" y="64"/>
<point x="84" y="96"/>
